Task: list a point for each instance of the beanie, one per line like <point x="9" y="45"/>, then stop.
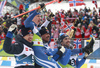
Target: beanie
<point x="25" y="31"/>
<point x="62" y="36"/>
<point x="43" y="30"/>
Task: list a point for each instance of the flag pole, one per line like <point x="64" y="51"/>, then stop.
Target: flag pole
<point x="59" y="1"/>
<point x="37" y="8"/>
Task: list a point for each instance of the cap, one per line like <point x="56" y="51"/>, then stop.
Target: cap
<point x="43" y="30"/>
<point x="62" y="36"/>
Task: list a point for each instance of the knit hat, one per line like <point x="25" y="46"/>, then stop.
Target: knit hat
<point x="43" y="30"/>
<point x="62" y="36"/>
<point x="25" y="31"/>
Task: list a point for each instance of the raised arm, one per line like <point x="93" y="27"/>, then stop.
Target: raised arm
<point x="8" y="46"/>
<point x="28" y="22"/>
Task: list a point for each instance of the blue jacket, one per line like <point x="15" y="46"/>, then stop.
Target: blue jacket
<point x="40" y="57"/>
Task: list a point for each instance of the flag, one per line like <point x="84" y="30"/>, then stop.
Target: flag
<point x="65" y="26"/>
<point x="2" y="4"/>
<point x="94" y="2"/>
<point x="76" y="3"/>
<point x="77" y="43"/>
<point x="69" y="27"/>
<point x="62" y="23"/>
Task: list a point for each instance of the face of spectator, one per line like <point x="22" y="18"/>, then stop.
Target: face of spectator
<point x="1" y="28"/>
<point x="37" y="19"/>
<point x="79" y="25"/>
<point x="84" y="22"/>
<point x="94" y="31"/>
<point x="28" y="37"/>
<point x="66" y="42"/>
<point x="46" y="37"/>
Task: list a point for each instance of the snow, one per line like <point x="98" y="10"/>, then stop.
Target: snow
<point x="65" y="6"/>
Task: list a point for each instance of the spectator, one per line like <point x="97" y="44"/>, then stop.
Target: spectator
<point x="21" y="8"/>
<point x="84" y="24"/>
<point x="87" y="32"/>
<point x="99" y="11"/>
<point x="19" y="22"/>
<point x="78" y="32"/>
<point x="94" y="34"/>
<point x="56" y="32"/>
<point x="26" y="5"/>
<point x="8" y="22"/>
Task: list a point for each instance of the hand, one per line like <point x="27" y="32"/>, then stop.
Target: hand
<point x="62" y="49"/>
<point x="42" y="6"/>
<point x="59" y="54"/>
<point x="88" y="51"/>
<point x="89" y="46"/>
<point x="91" y="43"/>
<point x="86" y="55"/>
<point x="50" y="16"/>
<point x="12" y="28"/>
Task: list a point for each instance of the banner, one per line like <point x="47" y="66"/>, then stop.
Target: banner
<point x="2" y="4"/>
<point x="76" y="3"/>
<point x="77" y="43"/>
<point x="95" y="2"/>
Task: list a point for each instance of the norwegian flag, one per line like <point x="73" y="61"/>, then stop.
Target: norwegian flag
<point x="69" y="27"/>
<point x="2" y="4"/>
<point x="76" y="3"/>
<point x="65" y="26"/>
<point x="77" y="43"/>
<point x="95" y="2"/>
<point x="62" y="23"/>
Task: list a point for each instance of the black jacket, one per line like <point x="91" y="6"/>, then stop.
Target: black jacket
<point x="17" y="47"/>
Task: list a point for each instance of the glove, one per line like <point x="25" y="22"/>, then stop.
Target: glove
<point x="42" y="6"/>
<point x="50" y="16"/>
<point x="59" y="54"/>
<point x="91" y="43"/>
<point x="62" y="49"/>
<point x="86" y="55"/>
<point x="12" y="28"/>
<point x="89" y="48"/>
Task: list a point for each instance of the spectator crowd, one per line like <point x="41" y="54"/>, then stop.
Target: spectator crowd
<point x="86" y="22"/>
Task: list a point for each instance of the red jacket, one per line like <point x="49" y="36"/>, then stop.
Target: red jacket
<point x="87" y="32"/>
<point x="78" y="33"/>
<point x="21" y="7"/>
